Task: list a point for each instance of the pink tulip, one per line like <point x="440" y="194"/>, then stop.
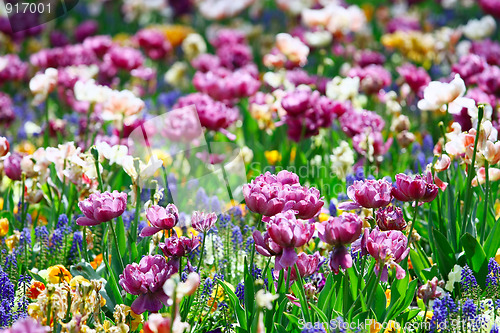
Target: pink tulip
<point x="368" y="194"/>
<point x="177" y="247"/>
<point x="415" y="188"/>
<point x="265" y="245"/>
<point x="265" y="195"/>
<point x="388" y="248"/>
<point x="161" y="219"/>
<point x="339" y="232"/>
<point x="202" y="222"/>
<point x="288" y="232"/>
<point x="102" y="207"/>
<point x="307" y="265"/>
<point x="306" y="202"/>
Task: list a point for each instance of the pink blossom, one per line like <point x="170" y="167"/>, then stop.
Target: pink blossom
<point x="368" y="194"/>
<point x="339" y="232"/>
<point x="161" y="218"/>
<point x="415" y="188"/>
<point x="388" y="248"/>
<point x="288" y="232"/>
<point x="102" y="207"/>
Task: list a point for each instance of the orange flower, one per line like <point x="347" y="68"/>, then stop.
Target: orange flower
<point x="174" y="33"/>
<point x="97" y="261"/>
<point x="58" y="274"/>
<point x="35" y="290"/>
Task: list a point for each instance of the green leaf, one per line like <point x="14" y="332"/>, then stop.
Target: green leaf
<point x="379" y="306"/>
<point x="492" y="242"/>
<point x="418" y="265"/>
<point x="476" y="258"/>
<point x="235" y="302"/>
<point x="445" y="254"/>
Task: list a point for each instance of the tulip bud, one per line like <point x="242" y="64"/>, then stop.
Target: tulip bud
<point x="12" y="166"/>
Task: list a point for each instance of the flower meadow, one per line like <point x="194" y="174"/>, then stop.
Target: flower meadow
<point x="251" y="166"/>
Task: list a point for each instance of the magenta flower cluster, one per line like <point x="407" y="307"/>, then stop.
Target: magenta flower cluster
<point x="306" y="112"/>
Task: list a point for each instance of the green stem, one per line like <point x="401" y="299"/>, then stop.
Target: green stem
<point x="116" y="244"/>
<point x="422" y="327"/>
<point x="415" y="214"/>
<point x="201" y="252"/>
<point x="486" y="199"/>
<point x="137" y="211"/>
<point x="470" y="173"/>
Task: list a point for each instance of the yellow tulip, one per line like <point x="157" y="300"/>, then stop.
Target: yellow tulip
<point x="58" y="274"/>
<point x="4" y="227"/>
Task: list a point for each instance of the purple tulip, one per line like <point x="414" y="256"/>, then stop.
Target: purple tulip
<point x="288" y="232"/>
<point x="26" y="325"/>
<point x="388" y="248"/>
<point x="182" y="125"/>
<point x="12" y="166"/>
<point x="390" y="218"/>
<point x="306" y="112"/>
<point x="265" y="245"/>
<point x="355" y="122"/>
<point x="223" y="84"/>
<point x="202" y="222"/>
<point x="213" y="115"/>
<point x="154" y="43"/>
<point x="340" y="231"/>
<point x="265" y="195"/>
<point x="306" y="202"/>
<point x="86" y="29"/>
<point x="102" y="207"/>
<point x="415" y="188"/>
<point x="161" y="219"/>
<point x="417" y="78"/>
<point x="307" y="265"/>
<point x="146" y="279"/>
<point x="469" y="67"/>
<point x="126" y="58"/>
<point x="178" y="247"/>
<point x="368" y="194"/>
